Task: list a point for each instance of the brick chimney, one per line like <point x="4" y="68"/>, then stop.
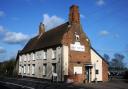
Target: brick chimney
<point x="74" y="16"/>
<point x="41" y="29"/>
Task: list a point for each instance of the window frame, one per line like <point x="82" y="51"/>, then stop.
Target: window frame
<point x="33" y="69"/>
<point x="44" y="69"/>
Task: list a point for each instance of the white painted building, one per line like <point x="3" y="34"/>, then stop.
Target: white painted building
<point x="64" y="51"/>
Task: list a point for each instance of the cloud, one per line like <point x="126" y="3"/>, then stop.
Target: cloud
<point x="13" y="37"/>
<point x="16" y="38"/>
<point x="104" y="33"/>
<point x="52" y="21"/>
<point x="2" y="13"/>
<point x="100" y="2"/>
<point x="2" y="50"/>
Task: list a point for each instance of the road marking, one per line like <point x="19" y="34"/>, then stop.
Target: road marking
<point x="17" y="85"/>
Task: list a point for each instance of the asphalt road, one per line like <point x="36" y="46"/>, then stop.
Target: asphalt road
<point x="28" y="83"/>
<point x="3" y="87"/>
<point x="24" y="83"/>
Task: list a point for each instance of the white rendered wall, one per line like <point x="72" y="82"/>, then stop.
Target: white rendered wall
<point x="97" y="64"/>
<point x="65" y="59"/>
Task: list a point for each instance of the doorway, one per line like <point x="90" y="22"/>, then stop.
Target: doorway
<point x="88" y="73"/>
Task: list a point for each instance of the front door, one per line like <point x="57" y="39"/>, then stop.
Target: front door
<point x="88" y="75"/>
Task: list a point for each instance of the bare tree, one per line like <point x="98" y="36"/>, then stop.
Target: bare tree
<point x="117" y="62"/>
<point x="106" y="57"/>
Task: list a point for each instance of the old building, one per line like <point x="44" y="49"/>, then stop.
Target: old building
<point x="64" y="51"/>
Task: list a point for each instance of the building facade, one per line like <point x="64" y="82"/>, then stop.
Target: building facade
<point x="65" y="52"/>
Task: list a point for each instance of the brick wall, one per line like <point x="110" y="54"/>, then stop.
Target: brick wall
<point x="105" y="71"/>
<point x="77" y="58"/>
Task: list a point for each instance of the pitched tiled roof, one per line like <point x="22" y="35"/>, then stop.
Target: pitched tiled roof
<point x="49" y="38"/>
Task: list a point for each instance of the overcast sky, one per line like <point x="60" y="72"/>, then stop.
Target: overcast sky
<point x="104" y="21"/>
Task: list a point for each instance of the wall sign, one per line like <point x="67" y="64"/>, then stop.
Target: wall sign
<point x="77" y="70"/>
<point x="77" y="47"/>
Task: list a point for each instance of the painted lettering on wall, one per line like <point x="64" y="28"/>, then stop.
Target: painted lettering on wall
<point x="77" y="47"/>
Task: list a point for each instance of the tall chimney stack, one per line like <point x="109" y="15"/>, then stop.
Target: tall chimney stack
<point x="74" y="16"/>
<point x="41" y="29"/>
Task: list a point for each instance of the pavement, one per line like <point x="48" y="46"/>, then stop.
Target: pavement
<point x="29" y="83"/>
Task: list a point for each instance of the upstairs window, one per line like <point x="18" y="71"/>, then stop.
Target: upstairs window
<point x="53" y="54"/>
<point x="33" y="56"/>
<point x="45" y="54"/>
<point x="28" y="57"/>
<point x="25" y="59"/>
<point x="40" y="54"/>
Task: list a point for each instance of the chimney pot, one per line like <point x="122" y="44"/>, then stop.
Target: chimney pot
<point x="74" y="16"/>
<point x="41" y="29"/>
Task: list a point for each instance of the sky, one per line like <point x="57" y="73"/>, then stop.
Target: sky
<point x="104" y="21"/>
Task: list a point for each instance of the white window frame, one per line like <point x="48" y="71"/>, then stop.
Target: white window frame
<point x="33" y="69"/>
<point x="25" y="69"/>
<point x="25" y="59"/>
<point x="33" y="56"/>
<point x="28" y="69"/>
<point x="20" y="68"/>
<point x="45" y="54"/>
<point x="28" y="57"/>
<point x="53" y="54"/>
<point x="44" y="69"/>
<point x="54" y="68"/>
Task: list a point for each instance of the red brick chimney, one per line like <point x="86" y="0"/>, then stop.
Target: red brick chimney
<point x="41" y="29"/>
<point x="74" y="16"/>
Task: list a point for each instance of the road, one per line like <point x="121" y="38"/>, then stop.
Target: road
<point x="4" y="87"/>
<point x="28" y="83"/>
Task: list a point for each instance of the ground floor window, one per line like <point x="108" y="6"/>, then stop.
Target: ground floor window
<point x="54" y="67"/>
<point x="20" y="69"/>
<point x="28" y="68"/>
<point x="24" y="68"/>
<point x="97" y="71"/>
<point x="33" y="68"/>
<point x="44" y="69"/>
